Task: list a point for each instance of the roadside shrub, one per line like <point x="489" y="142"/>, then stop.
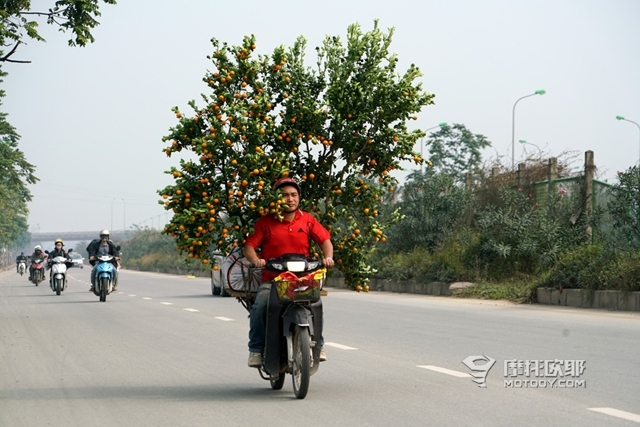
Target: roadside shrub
<point x="433" y="206"/>
<point x="520" y="289"/>
<point x="521" y="235"/>
<point x="624" y="208"/>
<point x="586" y="267"/>
<point x="444" y="264"/>
<point x="402" y="266"/>
<point x="623" y="273"/>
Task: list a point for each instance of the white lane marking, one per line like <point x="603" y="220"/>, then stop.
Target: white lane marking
<point x="617" y="413"/>
<point x="147" y="298"/>
<point x="193" y="310"/>
<point x="340" y="346"/>
<point x="167" y="303"/>
<point x="132" y="295"/>
<point x="445" y="371"/>
<point x="225" y="319"/>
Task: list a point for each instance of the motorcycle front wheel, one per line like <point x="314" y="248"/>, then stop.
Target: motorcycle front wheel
<point x="301" y="369"/>
<point x="104" y="285"/>
<point x="58" y="286"/>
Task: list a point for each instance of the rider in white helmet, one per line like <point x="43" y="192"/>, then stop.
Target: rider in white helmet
<point x="102" y="246"/>
<point x="37" y="254"/>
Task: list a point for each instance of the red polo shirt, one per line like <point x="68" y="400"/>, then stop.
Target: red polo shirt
<point x="277" y="238"/>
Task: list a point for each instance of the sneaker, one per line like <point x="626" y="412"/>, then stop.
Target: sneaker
<point x="255" y="359"/>
<point x="92" y="288"/>
<point x="323" y="356"/>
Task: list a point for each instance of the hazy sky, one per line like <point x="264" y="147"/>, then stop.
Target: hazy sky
<point x="92" y="119"/>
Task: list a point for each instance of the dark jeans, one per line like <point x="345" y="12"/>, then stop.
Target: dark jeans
<point x="258" y="320"/>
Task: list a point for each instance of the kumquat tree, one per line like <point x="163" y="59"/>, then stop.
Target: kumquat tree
<point x="339" y="129"/>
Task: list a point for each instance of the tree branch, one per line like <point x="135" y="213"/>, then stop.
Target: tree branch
<point x="6" y="57"/>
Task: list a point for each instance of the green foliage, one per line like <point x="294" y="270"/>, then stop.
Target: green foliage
<point x="433" y="206"/>
<point x="624" y="273"/>
<point x="442" y="265"/>
<point x="583" y="267"/>
<point x="624" y="207"/>
<point x="594" y="268"/>
<point x="520" y="235"/>
<point x="454" y="150"/>
<point x="149" y="250"/>
<point x="15" y="174"/>
<point x="337" y="128"/>
<point x="77" y="16"/>
<point x="518" y="289"/>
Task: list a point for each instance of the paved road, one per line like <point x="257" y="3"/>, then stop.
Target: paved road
<point x="164" y="352"/>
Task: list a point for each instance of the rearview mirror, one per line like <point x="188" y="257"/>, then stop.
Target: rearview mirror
<point x="70" y="250"/>
<point x="46" y="252"/>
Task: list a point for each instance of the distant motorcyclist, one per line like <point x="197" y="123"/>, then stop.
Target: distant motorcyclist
<point x="100" y="247"/>
<point x="37" y="254"/>
<point x="58" y="251"/>
<point x="21" y="258"/>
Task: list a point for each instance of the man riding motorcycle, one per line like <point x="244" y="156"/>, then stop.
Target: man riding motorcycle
<point x="37" y="254"/>
<point x="99" y="247"/>
<point x="20" y="258"/>
<point x="58" y="251"/>
<point x="276" y="237"/>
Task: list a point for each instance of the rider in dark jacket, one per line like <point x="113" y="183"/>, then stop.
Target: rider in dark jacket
<point x="102" y="246"/>
<point x="58" y="251"/>
<point x="37" y="254"/>
<point x="22" y="257"/>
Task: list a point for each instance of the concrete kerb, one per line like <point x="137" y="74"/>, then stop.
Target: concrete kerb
<point x="608" y="300"/>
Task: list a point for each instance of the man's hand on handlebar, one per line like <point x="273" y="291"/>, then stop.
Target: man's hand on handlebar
<point x="328" y="262"/>
<point x="259" y="263"/>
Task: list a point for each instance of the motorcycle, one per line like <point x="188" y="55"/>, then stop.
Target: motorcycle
<point x="59" y="267"/>
<point x="105" y="276"/>
<point x="22" y="267"/>
<point x="294" y="321"/>
<point x="37" y="275"/>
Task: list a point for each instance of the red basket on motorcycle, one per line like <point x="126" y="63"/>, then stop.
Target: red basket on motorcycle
<point x="306" y="288"/>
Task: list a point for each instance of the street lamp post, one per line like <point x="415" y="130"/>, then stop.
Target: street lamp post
<point x="513" y="125"/>
<point x="522" y="141"/>
<point x="124" y="213"/>
<point x="441" y="124"/>
<point x="630" y="121"/>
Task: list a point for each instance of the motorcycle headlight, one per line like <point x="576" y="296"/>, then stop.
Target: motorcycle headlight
<point x="296" y="266"/>
<point x="312" y="265"/>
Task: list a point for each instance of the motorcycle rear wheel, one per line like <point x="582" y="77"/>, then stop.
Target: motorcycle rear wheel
<point x="279" y="382"/>
<point x="301" y="369"/>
